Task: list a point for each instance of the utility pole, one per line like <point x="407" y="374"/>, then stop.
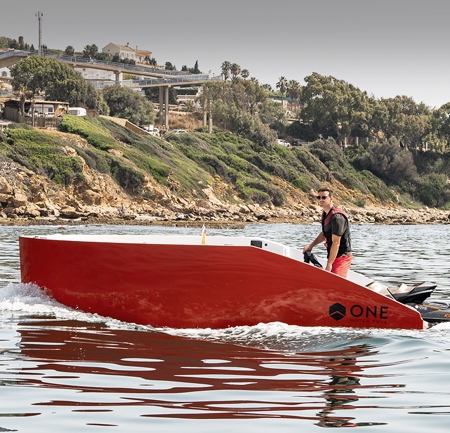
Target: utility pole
<point x="39" y="17"/>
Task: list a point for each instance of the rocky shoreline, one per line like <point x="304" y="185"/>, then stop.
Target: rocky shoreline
<point x="236" y="219"/>
<point x="27" y="198"/>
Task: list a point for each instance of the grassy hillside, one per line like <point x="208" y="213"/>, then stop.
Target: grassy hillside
<point x="191" y="162"/>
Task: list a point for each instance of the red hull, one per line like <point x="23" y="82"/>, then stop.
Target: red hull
<point x="205" y="286"/>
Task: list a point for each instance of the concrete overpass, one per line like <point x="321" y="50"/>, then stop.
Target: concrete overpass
<point x="156" y="77"/>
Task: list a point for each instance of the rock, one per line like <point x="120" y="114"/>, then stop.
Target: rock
<point x="4" y="198"/>
<point x="115" y="152"/>
<point x="31" y="210"/>
<point x="5" y="187"/>
<point x="9" y="211"/>
<point x="90" y="198"/>
<point x="19" y="199"/>
<point x="71" y="213"/>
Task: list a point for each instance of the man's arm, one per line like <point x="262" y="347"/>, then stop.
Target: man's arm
<point x="335" y="242"/>
<point x="320" y="238"/>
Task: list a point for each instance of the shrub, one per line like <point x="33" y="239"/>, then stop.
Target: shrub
<point x="95" y="135"/>
<point x="127" y="177"/>
<point x="433" y="190"/>
<point x="260" y="192"/>
<point x="388" y="161"/>
<point x="40" y="153"/>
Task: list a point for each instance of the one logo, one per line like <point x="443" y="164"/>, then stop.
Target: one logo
<point x="337" y="311"/>
<point x="361" y="312"/>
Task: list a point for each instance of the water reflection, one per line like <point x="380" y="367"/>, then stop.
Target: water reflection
<point x="342" y="389"/>
<point x="89" y="367"/>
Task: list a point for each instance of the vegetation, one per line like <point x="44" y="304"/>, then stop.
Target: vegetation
<point x="56" y="80"/>
<point x="382" y="147"/>
<point x="41" y="153"/>
<point x="6" y="43"/>
<point x="126" y="103"/>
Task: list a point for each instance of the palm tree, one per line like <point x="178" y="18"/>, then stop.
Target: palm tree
<point x="282" y="85"/>
<point x="226" y="66"/>
<point x="235" y="70"/>
<point x="245" y="73"/>
<point x="294" y="89"/>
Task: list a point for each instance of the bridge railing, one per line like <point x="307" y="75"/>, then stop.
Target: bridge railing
<point x="175" y="76"/>
<point x="116" y="65"/>
<point x="158" y="81"/>
<point x="13" y="53"/>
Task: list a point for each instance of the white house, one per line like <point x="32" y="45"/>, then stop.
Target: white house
<point x="126" y="52"/>
<point x="96" y="74"/>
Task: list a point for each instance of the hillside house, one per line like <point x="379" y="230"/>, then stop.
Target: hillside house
<point x="126" y="52"/>
<point x="92" y="74"/>
<point x="37" y="113"/>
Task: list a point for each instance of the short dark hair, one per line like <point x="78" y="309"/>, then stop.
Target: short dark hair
<point x="325" y="189"/>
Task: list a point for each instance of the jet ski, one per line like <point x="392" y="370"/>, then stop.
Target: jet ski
<point x="415" y="295"/>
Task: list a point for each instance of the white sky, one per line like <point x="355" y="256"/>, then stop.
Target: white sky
<point x="385" y="47"/>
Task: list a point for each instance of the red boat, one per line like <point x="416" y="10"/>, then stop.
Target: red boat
<point x="183" y="282"/>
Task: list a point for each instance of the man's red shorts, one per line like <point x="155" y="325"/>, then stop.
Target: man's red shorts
<point x="341" y="265"/>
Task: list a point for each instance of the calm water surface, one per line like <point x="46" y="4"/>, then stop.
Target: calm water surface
<point x="64" y="370"/>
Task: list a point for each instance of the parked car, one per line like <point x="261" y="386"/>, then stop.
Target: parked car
<point x="178" y="131"/>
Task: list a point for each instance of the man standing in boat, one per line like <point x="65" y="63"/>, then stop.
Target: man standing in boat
<point x="336" y="234"/>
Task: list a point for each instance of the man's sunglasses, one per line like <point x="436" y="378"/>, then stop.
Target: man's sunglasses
<point x="322" y="197"/>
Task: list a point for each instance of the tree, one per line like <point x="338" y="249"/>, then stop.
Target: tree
<point x="235" y="70"/>
<point x="389" y="161"/>
<point x="245" y="73"/>
<point x="226" y="66"/>
<point x="440" y="125"/>
<point x="335" y="108"/>
<point x="128" y="104"/>
<point x="57" y="80"/>
<point x="282" y="86"/>
<point x="405" y="120"/>
<point x="104" y="57"/>
<point x="69" y="51"/>
<point x="90" y="51"/>
<point x="14" y="44"/>
<point x="169" y="67"/>
<point x="29" y="75"/>
<point x="242" y="107"/>
<point x="196" y="70"/>
<point x="4" y="42"/>
<point x="294" y="89"/>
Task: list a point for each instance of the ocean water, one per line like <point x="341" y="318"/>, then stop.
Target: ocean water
<point x="65" y="370"/>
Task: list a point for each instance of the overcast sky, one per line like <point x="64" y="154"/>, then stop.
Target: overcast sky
<point x="384" y="47"/>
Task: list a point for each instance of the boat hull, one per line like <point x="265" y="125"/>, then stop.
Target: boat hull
<point x="202" y="286"/>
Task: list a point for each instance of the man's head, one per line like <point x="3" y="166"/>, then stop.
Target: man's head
<point x="325" y="197"/>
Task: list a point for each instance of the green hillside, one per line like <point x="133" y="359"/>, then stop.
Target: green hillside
<point x="190" y="162"/>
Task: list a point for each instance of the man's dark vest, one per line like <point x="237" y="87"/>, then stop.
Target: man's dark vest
<point x="345" y="245"/>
